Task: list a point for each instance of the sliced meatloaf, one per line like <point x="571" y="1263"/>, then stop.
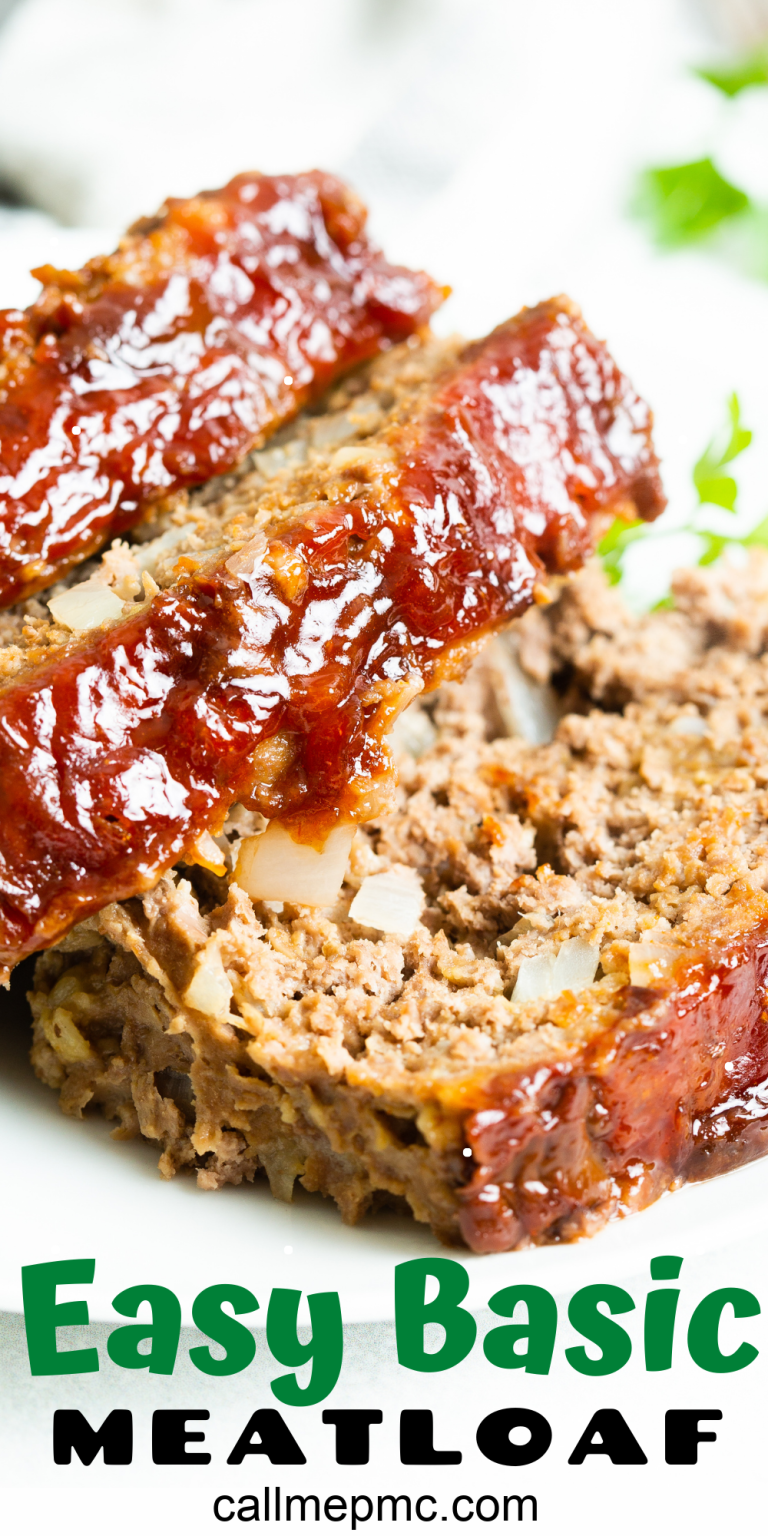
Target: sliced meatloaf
<point x="259" y="648"/>
<point x="152" y="369"/>
<point x="538" y="1001"/>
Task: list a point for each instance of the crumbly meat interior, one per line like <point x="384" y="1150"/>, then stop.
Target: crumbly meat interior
<point x="346" y="1057"/>
<point x="272" y="483"/>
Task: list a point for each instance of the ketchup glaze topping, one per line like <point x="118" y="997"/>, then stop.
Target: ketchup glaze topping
<point x="116" y="756"/>
<point x="675" y="1089"/>
<point x="157" y="367"/>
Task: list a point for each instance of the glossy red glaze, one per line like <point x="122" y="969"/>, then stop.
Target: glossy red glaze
<point x="158" y="367"/>
<point x="116" y="756"/>
<point x="677" y="1089"/>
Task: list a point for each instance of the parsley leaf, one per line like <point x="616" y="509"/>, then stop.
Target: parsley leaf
<point x="683" y="203"/>
<point x="714" y="487"/>
<point x="752" y="69"/>
<point x="758" y="537"/>
<point x="614" y="545"/>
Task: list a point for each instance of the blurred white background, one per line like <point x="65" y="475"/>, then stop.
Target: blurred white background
<point x="105" y="107"/>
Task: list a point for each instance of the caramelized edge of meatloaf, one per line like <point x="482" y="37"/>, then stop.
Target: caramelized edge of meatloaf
<point x="450" y="1069"/>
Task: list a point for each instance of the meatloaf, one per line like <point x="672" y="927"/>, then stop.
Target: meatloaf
<point x="538" y="1001"/>
<point x="259" y="647"/>
<point x="156" y="367"/>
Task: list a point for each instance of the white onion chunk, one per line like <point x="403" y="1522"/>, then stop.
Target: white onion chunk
<point x="86" y="606"/>
<point x="528" y="708"/>
<point x="272" y="867"/>
<point x="210" y="990"/>
<point x="390" y="902"/>
<point x="547" y="975"/>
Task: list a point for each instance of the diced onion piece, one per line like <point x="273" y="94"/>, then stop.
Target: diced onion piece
<point x="576" y="965"/>
<point x="245" y="560"/>
<point x="689" y="725"/>
<point x="147" y="555"/>
<point x="368" y="457"/>
<point x="62" y="1033"/>
<point x="649" y="964"/>
<point x="527" y="708"/>
<point x="547" y="975"/>
<point x="273" y="867"/>
<point x="210" y="990"/>
<point x="390" y="902"/>
<point x="413" y="732"/>
<point x="270" y="461"/>
<point x="86" y="606"/>
<point x="535" y="978"/>
<point x="207" y="852"/>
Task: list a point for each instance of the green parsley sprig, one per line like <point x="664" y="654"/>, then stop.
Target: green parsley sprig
<point x="739" y="75"/>
<point x="685" y="203"/>
<point x="694" y="204"/>
<point x="714" y="485"/>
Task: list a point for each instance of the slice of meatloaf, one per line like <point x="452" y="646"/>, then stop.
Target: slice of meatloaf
<point x="574" y="1022"/>
<point x="266" y="655"/>
<point x="154" y="368"/>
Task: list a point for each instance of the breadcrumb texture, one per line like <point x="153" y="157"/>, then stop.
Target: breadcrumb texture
<point x="428" y="1069"/>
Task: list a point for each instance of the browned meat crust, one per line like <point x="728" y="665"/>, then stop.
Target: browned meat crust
<point x="369" y="1064"/>
<point x="676" y="1089"/>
